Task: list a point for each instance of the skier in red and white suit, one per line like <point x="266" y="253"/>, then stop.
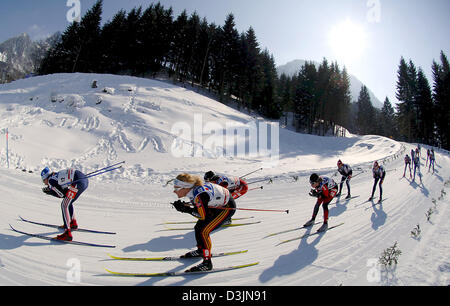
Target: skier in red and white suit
<point x="237" y="186"/>
<point x="324" y="189"/>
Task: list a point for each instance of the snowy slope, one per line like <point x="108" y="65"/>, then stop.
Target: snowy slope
<point x="87" y="129"/>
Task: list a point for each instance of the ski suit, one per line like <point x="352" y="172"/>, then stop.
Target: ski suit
<point x="346" y="172"/>
<point x="407" y="164"/>
<point x="67" y="184"/>
<point x="379" y="175"/>
<point x="237" y="186"/>
<point x="416" y="163"/>
<point x="207" y="200"/>
<point x="325" y="192"/>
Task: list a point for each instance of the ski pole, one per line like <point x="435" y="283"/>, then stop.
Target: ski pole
<point x="252" y="209"/>
<point x="260" y="187"/>
<point x="122" y="162"/>
<point x="103" y="172"/>
<point x="358" y="174"/>
<point x="92" y="175"/>
<point x="251" y="172"/>
<point x="270" y="181"/>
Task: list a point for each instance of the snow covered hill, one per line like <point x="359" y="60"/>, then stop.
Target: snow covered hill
<point x="161" y="130"/>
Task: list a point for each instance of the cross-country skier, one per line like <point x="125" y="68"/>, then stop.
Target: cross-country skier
<point x="407" y="164"/>
<point x="416" y="163"/>
<point x="235" y="185"/>
<point x="428" y="157"/>
<point x="378" y="174"/>
<point x="432" y="160"/>
<point x="324" y="189"/>
<point x="346" y="171"/>
<point x="67" y="184"/>
<point x="212" y="205"/>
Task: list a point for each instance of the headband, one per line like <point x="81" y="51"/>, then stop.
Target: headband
<point x="182" y="184"/>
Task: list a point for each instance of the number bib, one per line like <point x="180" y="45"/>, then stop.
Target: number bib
<point x="65" y="177"/>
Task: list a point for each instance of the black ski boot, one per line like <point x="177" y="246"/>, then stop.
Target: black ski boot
<point x="192" y="254"/>
<point x="206" y="265"/>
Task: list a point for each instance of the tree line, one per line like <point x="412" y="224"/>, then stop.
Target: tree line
<point x="423" y="111"/>
<point x="152" y="41"/>
<point x="146" y="42"/>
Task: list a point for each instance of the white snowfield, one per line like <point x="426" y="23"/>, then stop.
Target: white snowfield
<point x="60" y="121"/>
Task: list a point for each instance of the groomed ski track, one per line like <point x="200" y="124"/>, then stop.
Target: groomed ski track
<point x="340" y="256"/>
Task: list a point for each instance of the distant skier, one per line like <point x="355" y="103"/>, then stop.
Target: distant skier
<point x="407" y="164"/>
<point x="428" y="157"/>
<point x="212" y="205"/>
<point x="67" y="184"/>
<point x="378" y="174"/>
<point x="237" y="186"/>
<point x="324" y="189"/>
<point x="432" y="160"/>
<point x="346" y="171"/>
<point x="416" y="163"/>
<point x="418" y="150"/>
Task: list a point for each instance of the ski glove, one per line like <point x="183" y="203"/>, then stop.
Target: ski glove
<point x="181" y="207"/>
<point x="315" y="193"/>
<point x="47" y="190"/>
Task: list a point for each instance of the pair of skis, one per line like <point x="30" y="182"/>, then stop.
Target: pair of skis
<point x="302" y="236"/>
<point x="168" y="258"/>
<point x="63" y="241"/>
<point x="177" y="273"/>
<point x="224" y="226"/>
<point x="176" y="258"/>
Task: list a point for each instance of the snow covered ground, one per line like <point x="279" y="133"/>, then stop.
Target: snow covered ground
<point x="60" y="121"/>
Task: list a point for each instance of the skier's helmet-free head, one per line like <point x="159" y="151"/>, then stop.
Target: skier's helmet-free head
<point x="45" y="173"/>
<point x="208" y="176"/>
<point x="314" y="178"/>
<point x="375" y="165"/>
<point x="339" y="163"/>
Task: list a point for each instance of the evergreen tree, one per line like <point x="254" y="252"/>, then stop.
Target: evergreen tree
<point x="112" y="40"/>
<point x="131" y="44"/>
<point x="251" y="80"/>
<point x="405" y="96"/>
<point x="88" y="52"/>
<point x="424" y="101"/>
<point x="387" y="120"/>
<point x="345" y="99"/>
<point x="201" y="54"/>
<point x="285" y="95"/>
<point x="305" y="99"/>
<point x="269" y="102"/>
<point x="63" y="56"/>
<point x="231" y="60"/>
<point x="441" y="95"/>
<point x="366" y="113"/>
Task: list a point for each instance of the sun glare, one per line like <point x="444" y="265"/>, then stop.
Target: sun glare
<point x="348" y="41"/>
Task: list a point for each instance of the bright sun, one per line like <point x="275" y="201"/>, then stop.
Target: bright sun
<point x="348" y="41"/>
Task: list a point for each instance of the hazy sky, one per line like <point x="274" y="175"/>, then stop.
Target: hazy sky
<point x="376" y="32"/>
